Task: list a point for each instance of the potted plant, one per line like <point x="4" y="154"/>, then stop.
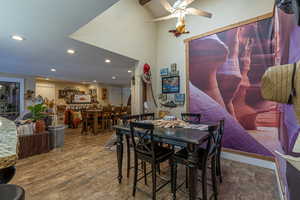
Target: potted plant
<point x="38" y="116"/>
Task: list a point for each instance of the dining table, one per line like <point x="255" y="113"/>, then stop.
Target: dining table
<point x="188" y="138"/>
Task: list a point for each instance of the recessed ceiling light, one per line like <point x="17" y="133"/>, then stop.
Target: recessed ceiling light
<point x="129" y="71"/>
<point x="95" y="81"/>
<point x="107" y="61"/>
<point x="17" y="37"/>
<point x="113" y="77"/>
<point x="53" y="70"/>
<point x="71" y="51"/>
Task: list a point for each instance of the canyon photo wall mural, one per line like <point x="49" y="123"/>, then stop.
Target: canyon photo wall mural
<point x="224" y="82"/>
<point x="225" y="71"/>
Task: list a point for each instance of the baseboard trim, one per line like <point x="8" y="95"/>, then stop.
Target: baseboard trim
<point x="252" y="155"/>
<point x="248" y="160"/>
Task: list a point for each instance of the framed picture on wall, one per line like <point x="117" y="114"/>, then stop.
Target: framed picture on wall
<point x="81" y="98"/>
<point x="170" y="84"/>
<point x="179" y="99"/>
<point x="164" y="72"/>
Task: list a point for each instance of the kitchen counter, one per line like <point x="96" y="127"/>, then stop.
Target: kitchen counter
<point x="8" y="143"/>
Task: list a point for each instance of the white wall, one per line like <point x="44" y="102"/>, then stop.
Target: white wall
<point x="126" y="92"/>
<point x="59" y="85"/>
<point x="114" y="95"/>
<point x="126" y="29"/>
<point x="114" y="92"/>
<point x="46" y="90"/>
<point x="99" y="87"/>
<point x="172" y="50"/>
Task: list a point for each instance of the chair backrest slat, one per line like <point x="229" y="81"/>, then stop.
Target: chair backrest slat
<point x="216" y="136"/>
<point x="220" y="134"/>
<point x="142" y="138"/>
<point x="147" y="116"/>
<point x="126" y="119"/>
<point x="193" y="118"/>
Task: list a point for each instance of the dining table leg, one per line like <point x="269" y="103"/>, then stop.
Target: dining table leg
<point x="119" y="154"/>
<point x="193" y="159"/>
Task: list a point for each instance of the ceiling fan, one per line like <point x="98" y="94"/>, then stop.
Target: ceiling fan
<point x="179" y="10"/>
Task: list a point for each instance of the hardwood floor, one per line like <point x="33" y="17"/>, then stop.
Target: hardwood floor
<point x="85" y="170"/>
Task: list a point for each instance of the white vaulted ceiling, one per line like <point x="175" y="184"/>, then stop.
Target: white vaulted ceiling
<point x="46" y="26"/>
<point x="125" y="28"/>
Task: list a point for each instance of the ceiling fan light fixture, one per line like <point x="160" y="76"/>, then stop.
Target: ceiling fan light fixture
<point x="179" y="10"/>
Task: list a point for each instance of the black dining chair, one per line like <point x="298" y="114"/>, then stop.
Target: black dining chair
<point x="193" y="118"/>
<point x="219" y="149"/>
<point x="149" y="151"/>
<point x="209" y="153"/>
<point x="8" y="191"/>
<point x="147" y="116"/>
<point x="6" y="174"/>
<point x="87" y="122"/>
<point x="126" y="119"/>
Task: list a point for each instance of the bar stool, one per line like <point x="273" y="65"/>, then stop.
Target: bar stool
<point x="11" y="192"/>
<point x="147" y="150"/>
<point x="7" y="174"/>
<point x="126" y="121"/>
<point x="209" y="153"/>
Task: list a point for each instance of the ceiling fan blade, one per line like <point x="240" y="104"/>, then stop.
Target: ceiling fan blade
<point x="167" y="5"/>
<point x="194" y="11"/>
<point x="165" y="18"/>
<point x="185" y="3"/>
